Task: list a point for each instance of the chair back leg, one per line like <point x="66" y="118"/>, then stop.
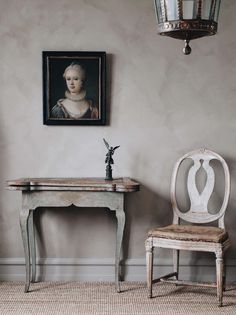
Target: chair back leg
<point x="224" y="274"/>
<point x="176" y="262"/>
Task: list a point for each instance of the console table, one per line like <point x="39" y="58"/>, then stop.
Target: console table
<point x="64" y="192"/>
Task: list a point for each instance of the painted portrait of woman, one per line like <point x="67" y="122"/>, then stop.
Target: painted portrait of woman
<point x="75" y="105"/>
<point x="74" y="88"/>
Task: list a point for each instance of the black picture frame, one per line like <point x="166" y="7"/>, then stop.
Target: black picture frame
<point x="56" y="103"/>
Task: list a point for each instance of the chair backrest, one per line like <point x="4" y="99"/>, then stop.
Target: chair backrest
<point x="198" y="212"/>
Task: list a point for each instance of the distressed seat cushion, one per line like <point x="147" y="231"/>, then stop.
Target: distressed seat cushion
<point x="190" y="233"/>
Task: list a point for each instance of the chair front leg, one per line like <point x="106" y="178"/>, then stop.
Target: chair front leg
<point x="219" y="276"/>
<point x="149" y="265"/>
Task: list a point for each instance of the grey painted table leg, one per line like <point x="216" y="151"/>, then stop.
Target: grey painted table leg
<point x="24" y="216"/>
<point x="32" y="245"/>
<point x="120" y="214"/>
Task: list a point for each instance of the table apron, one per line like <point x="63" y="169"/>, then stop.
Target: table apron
<point x="112" y="200"/>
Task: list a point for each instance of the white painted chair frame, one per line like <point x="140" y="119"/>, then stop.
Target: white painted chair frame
<point x="198" y="213"/>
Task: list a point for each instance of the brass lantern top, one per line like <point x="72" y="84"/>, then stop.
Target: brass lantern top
<point x="187" y="19"/>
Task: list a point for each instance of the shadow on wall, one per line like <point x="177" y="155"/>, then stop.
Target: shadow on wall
<point x="3" y="216"/>
<point x="109" y="76"/>
<point x="230" y="216"/>
<point x="144" y="210"/>
<point x="197" y="258"/>
<point x="74" y="232"/>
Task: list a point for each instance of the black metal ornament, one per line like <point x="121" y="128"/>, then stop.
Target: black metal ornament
<point x="109" y="160"/>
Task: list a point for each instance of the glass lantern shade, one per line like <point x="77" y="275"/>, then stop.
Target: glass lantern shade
<point x="187" y="19"/>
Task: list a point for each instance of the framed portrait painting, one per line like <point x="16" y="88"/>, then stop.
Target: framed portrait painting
<point x="74" y="87"/>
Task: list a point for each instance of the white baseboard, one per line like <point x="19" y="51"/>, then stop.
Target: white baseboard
<point x="89" y="269"/>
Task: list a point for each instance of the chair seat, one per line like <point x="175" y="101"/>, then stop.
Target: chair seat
<point x="190" y="233"/>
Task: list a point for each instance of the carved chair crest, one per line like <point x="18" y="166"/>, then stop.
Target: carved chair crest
<point x="198" y="212"/>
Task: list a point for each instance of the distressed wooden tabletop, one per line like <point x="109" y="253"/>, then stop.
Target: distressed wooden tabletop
<point x="123" y="184"/>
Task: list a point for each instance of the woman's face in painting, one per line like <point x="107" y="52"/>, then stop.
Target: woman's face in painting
<point x="73" y="81"/>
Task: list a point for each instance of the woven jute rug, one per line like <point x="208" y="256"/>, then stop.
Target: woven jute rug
<point x="99" y="298"/>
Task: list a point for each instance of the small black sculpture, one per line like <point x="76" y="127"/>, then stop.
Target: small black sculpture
<point x="109" y="160"/>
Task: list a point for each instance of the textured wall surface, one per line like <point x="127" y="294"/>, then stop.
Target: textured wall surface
<point x="161" y="105"/>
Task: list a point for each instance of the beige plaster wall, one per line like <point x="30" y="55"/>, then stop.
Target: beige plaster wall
<point x="162" y="104"/>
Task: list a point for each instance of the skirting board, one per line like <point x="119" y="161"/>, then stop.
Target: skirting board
<point x="88" y="269"/>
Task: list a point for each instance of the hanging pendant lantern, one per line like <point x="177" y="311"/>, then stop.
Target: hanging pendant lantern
<point x="187" y="19"/>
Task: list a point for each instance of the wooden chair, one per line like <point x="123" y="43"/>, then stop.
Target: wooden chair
<point x="193" y="237"/>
